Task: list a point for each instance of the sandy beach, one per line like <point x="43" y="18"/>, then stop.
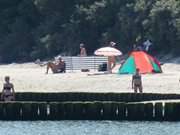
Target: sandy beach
<point x="29" y="77"/>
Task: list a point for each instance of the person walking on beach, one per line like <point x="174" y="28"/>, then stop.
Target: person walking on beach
<point x="8" y="93"/>
<point x="137" y="82"/>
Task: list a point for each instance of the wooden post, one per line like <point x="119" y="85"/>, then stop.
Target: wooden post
<point x="68" y="110"/>
<point x="53" y="111"/>
<point x="56" y="111"/>
<point x="172" y="111"/>
<point x="110" y="110"/>
<point x="135" y="111"/>
<point x="79" y="111"/>
<point x="12" y="110"/>
<point x="148" y="111"/>
<point x="93" y="110"/>
<point x="159" y="111"/>
<point x="2" y="117"/>
<point x="26" y="111"/>
<point x="121" y="111"/>
<point x="29" y="111"/>
<point x="42" y="111"/>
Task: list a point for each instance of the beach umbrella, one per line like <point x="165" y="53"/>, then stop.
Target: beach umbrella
<point x="107" y="51"/>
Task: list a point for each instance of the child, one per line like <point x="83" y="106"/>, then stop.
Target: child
<point x="8" y="93"/>
<point x="137" y="82"/>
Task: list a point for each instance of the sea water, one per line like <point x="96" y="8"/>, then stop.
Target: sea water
<point x="88" y="128"/>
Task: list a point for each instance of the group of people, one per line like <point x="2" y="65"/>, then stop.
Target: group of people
<point x="59" y="66"/>
<point x="145" y="46"/>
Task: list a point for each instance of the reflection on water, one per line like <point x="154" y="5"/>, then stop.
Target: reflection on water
<point x="89" y="128"/>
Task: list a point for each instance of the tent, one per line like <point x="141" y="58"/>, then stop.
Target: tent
<point x="141" y="60"/>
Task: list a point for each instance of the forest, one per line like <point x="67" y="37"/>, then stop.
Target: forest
<point x="42" y="29"/>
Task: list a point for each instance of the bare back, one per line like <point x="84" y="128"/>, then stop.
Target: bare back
<point x="83" y="52"/>
<point x="137" y="79"/>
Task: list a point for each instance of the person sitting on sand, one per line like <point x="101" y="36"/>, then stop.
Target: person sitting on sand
<point x="8" y="93"/>
<point x="57" y="67"/>
<point x="137" y="82"/>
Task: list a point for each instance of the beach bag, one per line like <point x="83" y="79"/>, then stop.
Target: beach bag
<point x="102" y="67"/>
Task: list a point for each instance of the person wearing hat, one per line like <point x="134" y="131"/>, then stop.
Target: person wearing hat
<point x="82" y="50"/>
<point x="56" y="67"/>
<point x="112" y="44"/>
<point x="111" y="59"/>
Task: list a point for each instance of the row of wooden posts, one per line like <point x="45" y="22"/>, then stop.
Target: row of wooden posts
<point x="70" y="96"/>
<point x="90" y="106"/>
<point x="89" y="111"/>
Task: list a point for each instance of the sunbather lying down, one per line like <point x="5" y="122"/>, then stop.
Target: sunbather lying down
<point x="58" y="66"/>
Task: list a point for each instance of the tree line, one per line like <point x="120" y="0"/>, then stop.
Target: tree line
<point x="31" y="29"/>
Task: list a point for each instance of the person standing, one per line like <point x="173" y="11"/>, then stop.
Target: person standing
<point x="8" y="93"/>
<point x="147" y="44"/>
<point x="111" y="59"/>
<point x="137" y="82"/>
<point x="83" y="52"/>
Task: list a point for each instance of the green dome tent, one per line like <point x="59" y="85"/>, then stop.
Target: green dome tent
<point x="141" y="60"/>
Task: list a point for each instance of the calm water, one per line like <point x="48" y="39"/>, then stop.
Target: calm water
<point x="89" y="128"/>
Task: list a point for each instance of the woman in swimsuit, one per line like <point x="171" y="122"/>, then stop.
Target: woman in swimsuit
<point x="137" y="82"/>
<point x="8" y="93"/>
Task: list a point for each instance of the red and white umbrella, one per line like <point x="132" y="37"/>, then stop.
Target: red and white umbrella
<point x="107" y="51"/>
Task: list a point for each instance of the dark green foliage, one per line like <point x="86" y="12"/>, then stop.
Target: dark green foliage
<point x="31" y="29"/>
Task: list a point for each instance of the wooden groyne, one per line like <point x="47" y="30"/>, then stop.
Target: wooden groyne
<point x="80" y="96"/>
<point x="90" y="111"/>
<point x="92" y="106"/>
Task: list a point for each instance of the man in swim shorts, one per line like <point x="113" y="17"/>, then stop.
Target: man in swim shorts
<point x="137" y="82"/>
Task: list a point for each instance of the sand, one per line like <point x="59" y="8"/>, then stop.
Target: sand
<point x="29" y="77"/>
